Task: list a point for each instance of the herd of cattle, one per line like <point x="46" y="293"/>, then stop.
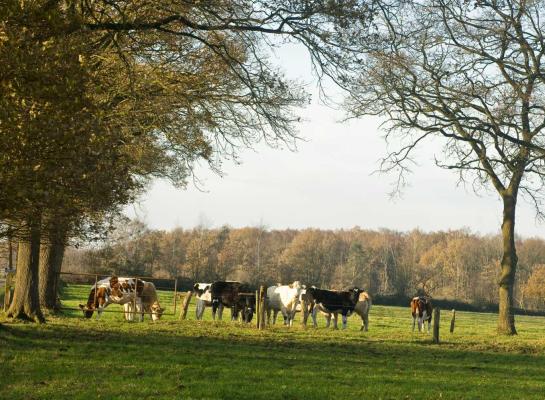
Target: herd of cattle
<point x="139" y="297"/>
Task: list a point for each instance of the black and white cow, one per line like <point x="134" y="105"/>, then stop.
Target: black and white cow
<point x="229" y="294"/>
<point x="204" y="299"/>
<point x="332" y="302"/>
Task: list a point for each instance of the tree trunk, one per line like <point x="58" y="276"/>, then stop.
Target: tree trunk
<point x="51" y="256"/>
<point x="506" y="321"/>
<point x="26" y="304"/>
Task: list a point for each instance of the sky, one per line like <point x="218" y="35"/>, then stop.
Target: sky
<point x="330" y="182"/>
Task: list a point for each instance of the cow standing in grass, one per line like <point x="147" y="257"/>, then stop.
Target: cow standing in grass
<point x="421" y="310"/>
<point x="123" y="291"/>
<point x="150" y="304"/>
<point x="228" y="294"/>
<point x="331" y="302"/>
<point x="283" y="298"/>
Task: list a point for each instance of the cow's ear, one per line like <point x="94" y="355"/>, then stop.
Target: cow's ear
<point x="82" y="306"/>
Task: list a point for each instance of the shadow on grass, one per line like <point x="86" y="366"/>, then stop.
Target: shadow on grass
<point x="221" y="360"/>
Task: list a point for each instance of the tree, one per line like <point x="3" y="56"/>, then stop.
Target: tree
<point x="470" y="73"/>
<point x="175" y="82"/>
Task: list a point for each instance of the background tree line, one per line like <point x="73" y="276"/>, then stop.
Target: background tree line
<point x="455" y="265"/>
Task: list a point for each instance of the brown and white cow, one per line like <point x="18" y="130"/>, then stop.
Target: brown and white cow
<point x="150" y="304"/>
<point x="421" y="310"/>
<point x="123" y="291"/>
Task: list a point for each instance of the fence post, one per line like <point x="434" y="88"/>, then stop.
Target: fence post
<point x="453" y="319"/>
<point x="261" y="314"/>
<point x="304" y="312"/>
<point x="436" y="320"/>
<point x="185" y="305"/>
<point x="257" y="304"/>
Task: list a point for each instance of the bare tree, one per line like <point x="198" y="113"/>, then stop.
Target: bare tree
<point x="470" y="73"/>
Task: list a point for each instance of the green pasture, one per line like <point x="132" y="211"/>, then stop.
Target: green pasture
<point x="75" y="358"/>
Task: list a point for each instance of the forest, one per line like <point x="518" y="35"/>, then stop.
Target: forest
<point x="457" y="265"/>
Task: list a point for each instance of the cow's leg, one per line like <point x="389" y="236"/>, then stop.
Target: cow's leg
<point x="345" y="320"/>
<point x="126" y="310"/>
<point x="414" y="321"/>
<point x="314" y="312"/>
<point x="291" y="317"/>
<point x="100" y="309"/>
<point x="327" y="320"/>
<point x="335" y="320"/>
<point x="140" y="309"/>
<point x="285" y="315"/>
<point x="220" y="312"/>
<point x="129" y="312"/>
<point x="199" y="309"/>
<point x="275" y="316"/>
<point x="365" y="322"/>
<point x="215" y="305"/>
<point x="268" y="311"/>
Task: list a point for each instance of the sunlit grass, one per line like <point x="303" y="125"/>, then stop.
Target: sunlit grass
<point x="75" y="358"/>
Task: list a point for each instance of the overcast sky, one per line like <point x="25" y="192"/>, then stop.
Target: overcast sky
<point x="328" y="183"/>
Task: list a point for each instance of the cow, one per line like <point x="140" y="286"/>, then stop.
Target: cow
<point x="150" y="304"/>
<point x="204" y="299"/>
<point x="123" y="291"/>
<point x="332" y="302"/>
<point x="421" y="310"/>
<point x="228" y="294"/>
<point x="283" y="298"/>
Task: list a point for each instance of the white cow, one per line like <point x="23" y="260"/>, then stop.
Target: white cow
<point x="284" y="298"/>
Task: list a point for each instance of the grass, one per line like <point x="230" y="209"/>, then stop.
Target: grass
<point x="75" y="358"/>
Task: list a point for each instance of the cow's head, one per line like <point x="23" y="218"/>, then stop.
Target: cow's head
<point x="355" y="294"/>
<point x="200" y="288"/>
<point x="295" y="285"/>
<point x="156" y="312"/>
<point x="87" y="311"/>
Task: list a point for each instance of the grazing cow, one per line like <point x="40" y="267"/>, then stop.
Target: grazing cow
<point x="204" y="299"/>
<point x="284" y="298"/>
<point x="114" y="290"/>
<point x="150" y="305"/>
<point x="333" y="302"/>
<point x="421" y="310"/>
<point x="228" y="294"/>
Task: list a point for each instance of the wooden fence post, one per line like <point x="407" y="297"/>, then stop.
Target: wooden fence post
<point x="453" y="319"/>
<point x="304" y="312"/>
<point x="261" y="315"/>
<point x="436" y="320"/>
<point x="257" y="308"/>
<point x="185" y="305"/>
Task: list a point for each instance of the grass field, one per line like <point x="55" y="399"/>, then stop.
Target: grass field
<point x="74" y="358"/>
